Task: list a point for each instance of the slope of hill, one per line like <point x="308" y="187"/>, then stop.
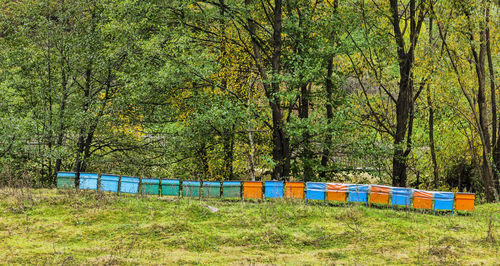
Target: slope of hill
<point x="63" y="227"/>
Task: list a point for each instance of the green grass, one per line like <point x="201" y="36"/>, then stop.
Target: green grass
<point x="63" y="227"/>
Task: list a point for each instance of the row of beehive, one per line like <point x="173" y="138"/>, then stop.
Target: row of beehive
<point x="396" y="196"/>
<point x="273" y="189"/>
<point x="173" y="187"/>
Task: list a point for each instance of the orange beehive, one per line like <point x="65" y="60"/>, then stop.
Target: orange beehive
<point x="422" y="199"/>
<point x="294" y="190"/>
<point x="336" y="192"/>
<point x="252" y="190"/>
<point x="464" y="201"/>
<point x="379" y="194"/>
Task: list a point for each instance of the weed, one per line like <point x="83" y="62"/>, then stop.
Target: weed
<point x="490" y="237"/>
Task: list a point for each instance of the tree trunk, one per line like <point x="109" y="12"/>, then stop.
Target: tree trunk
<point x="329" y="117"/>
<point x="405" y="100"/>
<point x="281" y="147"/>
<point x="204" y="160"/>
<point x="479" y="59"/>
<point x="306" y="150"/>
<point x="329" y="108"/>
<point x="78" y="161"/>
<point x="251" y="153"/>
<point x="228" y="137"/>
<point x="228" y="157"/>
<point x="49" y="179"/>
<point x="79" y="165"/>
<point x="495" y="139"/>
<point x="62" y="126"/>
<point x="403" y="103"/>
<point x="431" y="122"/>
<point x="431" y="139"/>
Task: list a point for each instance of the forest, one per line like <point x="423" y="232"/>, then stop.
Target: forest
<point x="399" y="92"/>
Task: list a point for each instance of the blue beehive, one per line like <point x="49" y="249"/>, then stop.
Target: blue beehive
<point x="273" y="189"/>
<point x="358" y="193"/>
<point x="129" y="184"/>
<point x="88" y="181"/>
<point x="443" y="201"/>
<point x="401" y="196"/>
<point x="109" y="183"/>
<point x="315" y="191"/>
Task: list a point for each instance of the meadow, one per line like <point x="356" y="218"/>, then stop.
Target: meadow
<point x="50" y="226"/>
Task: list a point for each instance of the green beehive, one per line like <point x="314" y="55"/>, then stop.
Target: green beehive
<point x="170" y="187"/>
<point x="66" y="180"/>
<point x="191" y="188"/>
<point x="211" y="189"/>
<point x="150" y="186"/>
<point x="231" y="189"/>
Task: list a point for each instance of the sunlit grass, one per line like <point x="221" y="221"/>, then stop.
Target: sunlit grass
<point x="55" y="226"/>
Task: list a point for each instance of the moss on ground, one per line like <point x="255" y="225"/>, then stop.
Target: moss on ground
<point x="64" y="227"/>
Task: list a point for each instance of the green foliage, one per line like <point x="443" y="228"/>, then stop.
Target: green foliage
<point x="173" y="89"/>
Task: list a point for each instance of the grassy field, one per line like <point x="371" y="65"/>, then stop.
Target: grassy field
<point x="63" y="227"/>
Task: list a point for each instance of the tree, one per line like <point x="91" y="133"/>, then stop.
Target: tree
<point x="474" y="17"/>
<point x="402" y="16"/>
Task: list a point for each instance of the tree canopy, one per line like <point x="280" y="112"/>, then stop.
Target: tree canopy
<point x="401" y="92"/>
